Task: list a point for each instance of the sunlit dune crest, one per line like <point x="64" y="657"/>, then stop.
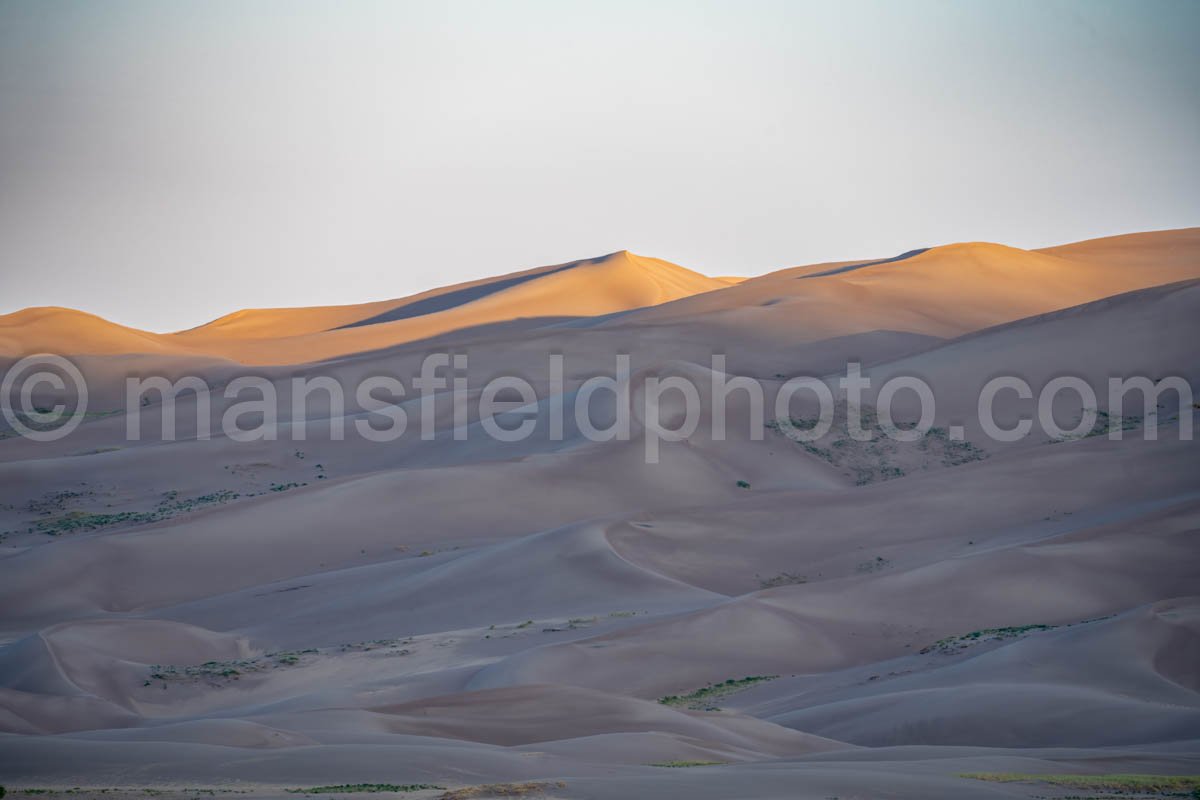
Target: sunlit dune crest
<point x="616" y="282"/>
<point x="940" y="291"/>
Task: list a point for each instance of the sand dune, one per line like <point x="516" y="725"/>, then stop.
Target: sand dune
<point x="1150" y="250"/>
<point x="941" y="291"/>
<point x="512" y="716"/>
<point x="1095" y="685"/>
<point x="68" y="332"/>
<point x="845" y="619"/>
<point x="617" y="282"/>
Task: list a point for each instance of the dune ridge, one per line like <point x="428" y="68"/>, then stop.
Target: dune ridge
<point x="748" y="617"/>
<point x="619" y="281"/>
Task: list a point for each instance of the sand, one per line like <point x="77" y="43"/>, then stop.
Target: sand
<point x="465" y="612"/>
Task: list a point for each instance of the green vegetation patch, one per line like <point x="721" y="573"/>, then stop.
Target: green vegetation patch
<point x="1116" y="783"/>
<point x="1105" y="423"/>
<point x="953" y="644"/>
<point x="350" y="788"/>
<point x="222" y="672"/>
<point x="875" y="565"/>
<point x="879" y="457"/>
<point x="121" y="792"/>
<point x="682" y="764"/>
<point x="169" y="506"/>
<point x="79" y="521"/>
<point x="952" y="452"/>
<point x="782" y="579"/>
<point x="501" y="790"/>
<point x="702" y="699"/>
<point x="392" y="646"/>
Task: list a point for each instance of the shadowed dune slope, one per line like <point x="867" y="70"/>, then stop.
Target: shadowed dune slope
<point x="1097" y="684"/>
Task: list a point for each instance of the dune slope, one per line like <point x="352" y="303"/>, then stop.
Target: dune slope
<point x="749" y="616"/>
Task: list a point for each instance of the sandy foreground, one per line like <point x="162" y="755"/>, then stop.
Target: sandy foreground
<point x="747" y="618"/>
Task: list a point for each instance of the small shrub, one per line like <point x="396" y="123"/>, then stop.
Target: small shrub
<point x="874" y="566"/>
<point x="782" y="579"/>
<point x="743" y="485"/>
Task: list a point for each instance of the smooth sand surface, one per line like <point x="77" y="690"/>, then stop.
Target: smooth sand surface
<point x="459" y="612"/>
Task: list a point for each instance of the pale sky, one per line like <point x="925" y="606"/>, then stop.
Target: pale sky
<point x="163" y="163"/>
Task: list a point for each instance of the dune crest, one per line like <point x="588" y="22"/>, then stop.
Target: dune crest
<point x="619" y="281"/>
<point x="942" y="291"/>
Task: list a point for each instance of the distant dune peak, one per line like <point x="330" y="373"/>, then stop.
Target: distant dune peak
<point x="946" y="290"/>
